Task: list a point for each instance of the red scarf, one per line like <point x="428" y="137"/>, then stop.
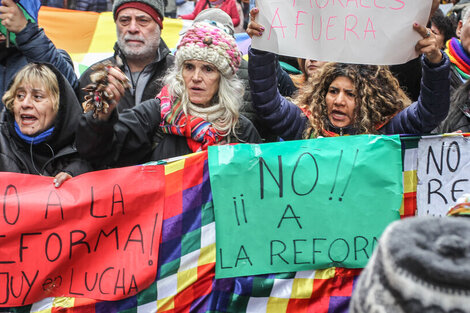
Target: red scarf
<point x="199" y="133"/>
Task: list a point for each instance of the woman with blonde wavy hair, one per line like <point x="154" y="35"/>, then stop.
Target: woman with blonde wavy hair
<point x="198" y="107"/>
<point x="349" y="98"/>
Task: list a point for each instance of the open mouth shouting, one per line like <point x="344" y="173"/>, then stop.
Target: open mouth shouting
<point x="28" y="119"/>
<point x="34" y="110"/>
<point x="339" y="116"/>
<point x="341" y="102"/>
<point x="28" y="123"/>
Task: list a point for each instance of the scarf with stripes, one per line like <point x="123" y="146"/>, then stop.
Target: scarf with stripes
<point x="458" y="57"/>
<point x="199" y="133"/>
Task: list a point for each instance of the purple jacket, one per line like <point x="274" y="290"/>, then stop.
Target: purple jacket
<point x="286" y="120"/>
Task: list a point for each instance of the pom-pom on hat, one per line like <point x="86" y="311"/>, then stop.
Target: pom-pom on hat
<point x="154" y="8"/>
<point x="209" y="42"/>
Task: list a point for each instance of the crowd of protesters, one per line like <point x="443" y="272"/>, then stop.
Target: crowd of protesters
<point x="156" y="104"/>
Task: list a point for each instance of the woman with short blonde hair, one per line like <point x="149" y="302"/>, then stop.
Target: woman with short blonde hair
<point x="37" y="129"/>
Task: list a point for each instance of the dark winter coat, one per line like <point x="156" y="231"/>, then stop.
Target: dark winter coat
<point x="57" y="153"/>
<point x="455" y="80"/>
<point x="409" y="77"/>
<point x="459" y="104"/>
<point x="163" y="61"/>
<point x="127" y="138"/>
<point x="32" y="45"/>
<point x="285" y="85"/>
<point x="459" y="111"/>
<point x="287" y="121"/>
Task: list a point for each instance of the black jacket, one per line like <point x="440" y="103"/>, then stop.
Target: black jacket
<point x="128" y="138"/>
<point x="159" y="67"/>
<point x="57" y="153"/>
<point x="286" y="88"/>
<point x="455" y="80"/>
<point x="409" y="76"/>
<point x="459" y="111"/>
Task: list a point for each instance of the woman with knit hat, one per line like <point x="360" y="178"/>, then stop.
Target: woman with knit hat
<point x="198" y="107"/>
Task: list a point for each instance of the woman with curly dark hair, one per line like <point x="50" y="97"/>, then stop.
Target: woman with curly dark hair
<point x="374" y="90"/>
<point x="349" y="98"/>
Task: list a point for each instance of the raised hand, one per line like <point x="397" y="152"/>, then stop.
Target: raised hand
<point x="253" y="28"/>
<point x="428" y="45"/>
<point x="12" y="17"/>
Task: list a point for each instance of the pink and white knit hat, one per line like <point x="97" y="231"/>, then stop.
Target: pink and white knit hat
<point x="206" y="41"/>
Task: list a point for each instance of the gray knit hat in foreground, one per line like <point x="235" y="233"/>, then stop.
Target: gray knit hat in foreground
<point x="157" y="5"/>
<point x="422" y="264"/>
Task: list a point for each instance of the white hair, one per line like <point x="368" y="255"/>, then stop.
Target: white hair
<point x="223" y="113"/>
<point x="465" y="16"/>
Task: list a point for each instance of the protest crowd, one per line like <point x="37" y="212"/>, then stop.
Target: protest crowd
<point x="148" y="102"/>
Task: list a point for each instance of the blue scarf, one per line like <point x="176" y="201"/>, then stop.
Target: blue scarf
<point x="36" y="139"/>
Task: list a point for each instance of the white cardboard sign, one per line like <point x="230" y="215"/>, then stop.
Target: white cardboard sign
<point x="443" y="173"/>
<point x="349" y="31"/>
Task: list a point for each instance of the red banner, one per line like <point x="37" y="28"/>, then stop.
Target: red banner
<point x="92" y="237"/>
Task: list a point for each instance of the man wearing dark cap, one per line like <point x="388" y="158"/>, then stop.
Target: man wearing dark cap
<point x="140" y="53"/>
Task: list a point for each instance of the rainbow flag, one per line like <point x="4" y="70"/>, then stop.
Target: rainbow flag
<point x="410" y="178"/>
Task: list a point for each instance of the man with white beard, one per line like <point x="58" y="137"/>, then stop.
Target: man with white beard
<point x="140" y="54"/>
